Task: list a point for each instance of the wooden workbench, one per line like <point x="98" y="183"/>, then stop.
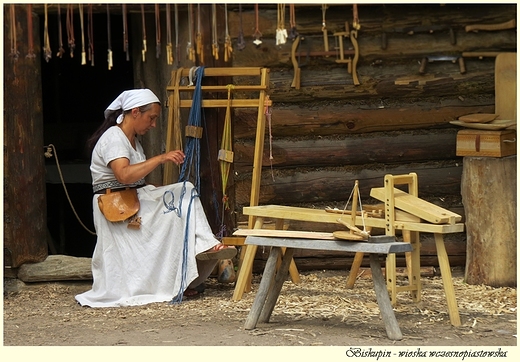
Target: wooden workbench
<point x="273" y="278"/>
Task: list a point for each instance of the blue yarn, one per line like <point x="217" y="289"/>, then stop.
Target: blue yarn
<point x="192" y="158"/>
<point x="192" y="149"/>
<point x="178" y="298"/>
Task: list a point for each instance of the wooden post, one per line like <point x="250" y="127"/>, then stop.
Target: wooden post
<point x="488" y="188"/>
<point x="25" y="212"/>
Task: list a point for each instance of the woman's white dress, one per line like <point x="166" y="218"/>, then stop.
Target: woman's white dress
<point x="135" y="267"/>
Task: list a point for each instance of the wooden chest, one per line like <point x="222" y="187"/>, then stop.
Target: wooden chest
<point x="486" y="143"/>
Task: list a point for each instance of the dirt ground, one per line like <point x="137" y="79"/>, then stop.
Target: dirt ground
<point x="319" y="311"/>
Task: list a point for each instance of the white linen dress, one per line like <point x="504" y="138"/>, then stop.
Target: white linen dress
<point x="135" y="267"/>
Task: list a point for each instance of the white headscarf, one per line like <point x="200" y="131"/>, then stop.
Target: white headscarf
<point x="131" y="99"/>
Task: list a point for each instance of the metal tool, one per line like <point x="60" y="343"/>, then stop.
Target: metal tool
<point x="443" y="58"/>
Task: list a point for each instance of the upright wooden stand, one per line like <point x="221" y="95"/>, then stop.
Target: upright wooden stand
<point x="174" y="140"/>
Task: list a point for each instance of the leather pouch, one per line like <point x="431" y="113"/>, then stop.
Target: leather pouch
<point x="119" y="205"/>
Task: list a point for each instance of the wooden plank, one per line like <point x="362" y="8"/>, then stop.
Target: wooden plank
<point x="416" y="206"/>
<point x="505" y="86"/>
<point x="338" y="245"/>
<point x="285" y="234"/>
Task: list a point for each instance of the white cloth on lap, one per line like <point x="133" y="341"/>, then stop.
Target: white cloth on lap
<point x="135" y="267"/>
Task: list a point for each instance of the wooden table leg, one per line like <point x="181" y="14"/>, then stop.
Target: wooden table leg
<point x="263" y="289"/>
<point x="354" y="269"/>
<point x="383" y="300"/>
<point x="444" y="264"/>
<point x="280" y="278"/>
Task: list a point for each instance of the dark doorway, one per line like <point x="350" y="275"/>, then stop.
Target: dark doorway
<point x="74" y="99"/>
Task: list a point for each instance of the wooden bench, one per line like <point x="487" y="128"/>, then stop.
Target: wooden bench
<point x="273" y="277"/>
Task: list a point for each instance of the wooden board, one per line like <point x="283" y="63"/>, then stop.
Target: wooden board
<point x="285" y="234"/>
<point x="505" y="86"/>
<point x="347" y="235"/>
<point x="416" y="206"/>
<point x="495" y="125"/>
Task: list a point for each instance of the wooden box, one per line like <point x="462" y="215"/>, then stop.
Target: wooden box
<point x="486" y="143"/>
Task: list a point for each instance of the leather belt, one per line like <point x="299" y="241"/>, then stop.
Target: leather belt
<point x="104" y="191"/>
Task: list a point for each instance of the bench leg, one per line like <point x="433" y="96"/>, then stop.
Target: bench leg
<point x="444" y="264"/>
<point x="383" y="300"/>
<point x="280" y="278"/>
<point x="263" y="289"/>
<point x="354" y="269"/>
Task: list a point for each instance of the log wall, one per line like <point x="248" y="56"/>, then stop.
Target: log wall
<point x="330" y="132"/>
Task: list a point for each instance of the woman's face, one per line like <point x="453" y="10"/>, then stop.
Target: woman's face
<point x="147" y="120"/>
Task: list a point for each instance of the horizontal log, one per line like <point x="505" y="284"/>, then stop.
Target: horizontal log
<point x="331" y="185"/>
<point x="384" y="148"/>
<point x="55" y="268"/>
<point x="323" y="119"/>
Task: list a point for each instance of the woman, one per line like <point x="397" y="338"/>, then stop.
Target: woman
<point x="174" y="250"/>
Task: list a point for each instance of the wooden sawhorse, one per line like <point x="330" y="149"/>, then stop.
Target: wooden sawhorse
<point x="273" y="277"/>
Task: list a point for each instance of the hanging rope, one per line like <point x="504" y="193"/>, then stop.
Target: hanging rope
<point x="355" y="24"/>
<point x="225" y="154"/>
<point x="12" y="20"/>
<point x="177" y="45"/>
<point x="293" y="33"/>
<point x="169" y="47"/>
<point x="47" y="52"/>
<point x="143" y="23"/>
<point x="70" y="30"/>
<point x="281" y="32"/>
<point x="228" y="48"/>
<point x="48" y="154"/>
<point x="125" y="33"/>
<point x="30" y="41"/>
<point x="192" y="150"/>
<point x="61" y="51"/>
<point x="214" y="40"/>
<point x="324" y="8"/>
<point x="190" y="52"/>
<point x="257" y="34"/>
<point x="90" y="35"/>
<point x="241" y="43"/>
<point x="109" y="55"/>
<point x="83" y="53"/>
<point x="198" y="37"/>
<point x="157" y="31"/>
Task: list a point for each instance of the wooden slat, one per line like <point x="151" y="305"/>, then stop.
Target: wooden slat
<point x="416" y="206"/>
<point x="337" y="245"/>
<point x="218" y="88"/>
<point x="285" y="234"/>
<point x="215" y="103"/>
<point x="228" y="72"/>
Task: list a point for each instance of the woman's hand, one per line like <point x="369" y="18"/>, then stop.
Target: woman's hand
<point x="174" y="156"/>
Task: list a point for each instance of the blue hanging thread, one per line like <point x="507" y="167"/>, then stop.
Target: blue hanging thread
<point x="191" y="151"/>
<point x="178" y="298"/>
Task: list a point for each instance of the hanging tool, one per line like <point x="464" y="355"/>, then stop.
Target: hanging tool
<point x="293" y="33"/>
<point x="443" y="58"/>
<point x="190" y="51"/>
<point x="169" y="46"/>
<point x="420" y="29"/>
<point x="125" y="33"/>
<point x="157" y="31"/>
<point x="143" y="24"/>
<point x="12" y="24"/>
<point x="257" y="34"/>
<point x="70" y="30"/>
<point x="61" y="51"/>
<point x="511" y="24"/>
<point x="228" y="47"/>
<point x="198" y="37"/>
<point x="83" y="52"/>
<point x="177" y="45"/>
<point x="214" y="40"/>
<point x="324" y="27"/>
<point x="47" y="53"/>
<point x="90" y="31"/>
<point x="281" y="32"/>
<point x="109" y="36"/>
<point x="30" y="43"/>
<point x="241" y="44"/>
<point x="351" y="63"/>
